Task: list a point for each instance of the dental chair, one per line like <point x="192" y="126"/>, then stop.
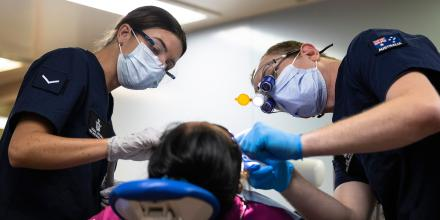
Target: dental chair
<point x="166" y="199"/>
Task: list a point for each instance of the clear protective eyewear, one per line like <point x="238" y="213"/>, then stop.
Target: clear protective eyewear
<point x="156" y="47"/>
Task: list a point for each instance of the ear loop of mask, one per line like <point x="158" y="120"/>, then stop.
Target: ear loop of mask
<point x="316" y="61"/>
<point x="134" y="34"/>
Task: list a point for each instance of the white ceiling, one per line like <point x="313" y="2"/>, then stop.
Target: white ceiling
<point x="33" y="27"/>
<point x="221" y="11"/>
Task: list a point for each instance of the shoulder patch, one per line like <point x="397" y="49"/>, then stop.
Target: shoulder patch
<point x="49" y="80"/>
<point x="388" y="42"/>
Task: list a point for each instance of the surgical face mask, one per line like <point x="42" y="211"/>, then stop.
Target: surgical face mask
<point x="139" y="69"/>
<point x="301" y="92"/>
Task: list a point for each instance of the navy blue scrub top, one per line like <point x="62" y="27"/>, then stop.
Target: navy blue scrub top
<point x="405" y="181"/>
<point x="67" y="88"/>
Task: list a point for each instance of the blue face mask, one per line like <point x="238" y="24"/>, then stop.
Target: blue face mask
<point x="139" y="69"/>
<point x="300" y="92"/>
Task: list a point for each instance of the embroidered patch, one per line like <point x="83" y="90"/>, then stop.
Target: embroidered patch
<point x="387" y="42"/>
<point x="49" y="80"/>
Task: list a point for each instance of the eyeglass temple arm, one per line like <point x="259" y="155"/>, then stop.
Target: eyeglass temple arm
<point x="170" y="75"/>
<point x="325" y="48"/>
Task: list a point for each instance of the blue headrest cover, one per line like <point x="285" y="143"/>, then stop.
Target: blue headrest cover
<point x="160" y="190"/>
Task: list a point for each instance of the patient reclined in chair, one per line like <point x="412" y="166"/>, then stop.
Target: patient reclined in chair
<point x="160" y="199"/>
<point x="195" y="164"/>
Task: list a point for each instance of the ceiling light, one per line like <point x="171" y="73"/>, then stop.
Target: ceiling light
<point x="184" y="15"/>
<point x="6" y="64"/>
<point x="3" y="121"/>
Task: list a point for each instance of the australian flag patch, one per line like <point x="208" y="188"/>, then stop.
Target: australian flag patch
<point x="387" y="42"/>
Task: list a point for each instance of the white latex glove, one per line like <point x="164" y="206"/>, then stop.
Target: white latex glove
<point x="136" y="146"/>
<point x="105" y="194"/>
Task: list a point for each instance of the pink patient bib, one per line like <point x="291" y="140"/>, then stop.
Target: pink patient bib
<point x="106" y="214"/>
<point x="250" y="210"/>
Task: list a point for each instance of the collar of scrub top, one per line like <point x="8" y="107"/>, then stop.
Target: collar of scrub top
<point x="152" y="43"/>
<point x="278" y="107"/>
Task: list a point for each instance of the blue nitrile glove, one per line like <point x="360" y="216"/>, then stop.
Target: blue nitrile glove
<point x="276" y="175"/>
<point x="261" y="141"/>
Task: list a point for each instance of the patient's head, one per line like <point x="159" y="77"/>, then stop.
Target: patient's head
<point x="203" y="154"/>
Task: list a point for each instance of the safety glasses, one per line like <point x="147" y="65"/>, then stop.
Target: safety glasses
<point x="156" y="47"/>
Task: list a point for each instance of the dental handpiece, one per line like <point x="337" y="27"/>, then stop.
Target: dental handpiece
<point x="249" y="164"/>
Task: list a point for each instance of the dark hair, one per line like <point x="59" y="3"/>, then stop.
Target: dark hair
<point x="202" y="154"/>
<point x="151" y="17"/>
<point x="284" y="47"/>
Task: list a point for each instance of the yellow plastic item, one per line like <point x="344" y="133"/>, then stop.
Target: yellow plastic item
<point x="243" y="99"/>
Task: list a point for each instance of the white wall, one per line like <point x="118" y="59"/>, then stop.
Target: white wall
<point x="217" y="65"/>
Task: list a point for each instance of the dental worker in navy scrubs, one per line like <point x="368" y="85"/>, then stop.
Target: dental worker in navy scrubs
<point x="384" y="96"/>
<point x="59" y="137"/>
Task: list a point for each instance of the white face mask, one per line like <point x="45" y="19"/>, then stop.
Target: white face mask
<point x="139" y="69"/>
<point x="301" y="92"/>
